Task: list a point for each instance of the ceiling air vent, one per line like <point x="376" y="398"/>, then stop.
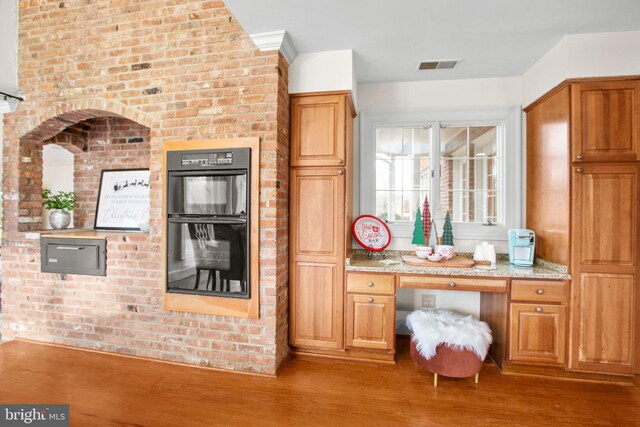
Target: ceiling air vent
<point x="443" y="64"/>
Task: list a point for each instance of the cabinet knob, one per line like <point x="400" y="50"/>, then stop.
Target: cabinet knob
<point x="539" y="309"/>
<point x="340" y="172"/>
<point x="540" y="291"/>
<point x="579" y="170"/>
<point x="370" y="300"/>
<point x="340" y="161"/>
<point x="370" y="284"/>
<point x="452" y="285"/>
<point x="579" y="157"/>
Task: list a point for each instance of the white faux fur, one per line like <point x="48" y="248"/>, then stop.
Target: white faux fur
<point x="434" y="327"/>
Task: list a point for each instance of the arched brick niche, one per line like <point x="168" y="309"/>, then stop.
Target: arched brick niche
<point x="98" y="139"/>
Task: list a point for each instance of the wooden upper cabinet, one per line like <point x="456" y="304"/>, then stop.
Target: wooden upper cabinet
<point x="319" y="127"/>
<point x="605" y="120"/>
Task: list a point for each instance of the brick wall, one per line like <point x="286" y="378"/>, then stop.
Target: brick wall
<point x="185" y="71"/>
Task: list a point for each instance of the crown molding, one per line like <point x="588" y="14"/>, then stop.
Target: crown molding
<point x="276" y="40"/>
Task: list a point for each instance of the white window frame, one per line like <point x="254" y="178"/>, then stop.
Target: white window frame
<point x="509" y="151"/>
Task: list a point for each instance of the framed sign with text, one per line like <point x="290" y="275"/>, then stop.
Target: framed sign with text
<point x="123" y="200"/>
<point x="371" y="233"/>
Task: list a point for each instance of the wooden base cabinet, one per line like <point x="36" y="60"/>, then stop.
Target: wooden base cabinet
<point x="605" y="266"/>
<point x="371" y="321"/>
<point x="538" y="322"/>
<point x="317" y="258"/>
<point x="604" y="323"/>
<point x="538" y="333"/>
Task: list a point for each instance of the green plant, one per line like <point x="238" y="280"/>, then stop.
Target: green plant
<point x="63" y="200"/>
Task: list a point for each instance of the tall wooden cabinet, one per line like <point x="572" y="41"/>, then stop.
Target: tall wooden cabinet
<point x="605" y="266"/>
<point x="320" y="212"/>
<point x="583" y="199"/>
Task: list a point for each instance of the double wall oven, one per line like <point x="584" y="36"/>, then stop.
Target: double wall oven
<point x="208" y="222"/>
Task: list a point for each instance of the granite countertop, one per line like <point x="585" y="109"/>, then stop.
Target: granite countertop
<point x="393" y="264"/>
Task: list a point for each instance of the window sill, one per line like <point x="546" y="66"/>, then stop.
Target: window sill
<point x="460" y="231"/>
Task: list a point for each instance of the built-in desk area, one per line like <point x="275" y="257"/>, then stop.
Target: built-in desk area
<point x="526" y="308"/>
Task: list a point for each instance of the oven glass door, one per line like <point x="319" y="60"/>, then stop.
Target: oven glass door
<point x="207" y="257"/>
<point x="208" y="193"/>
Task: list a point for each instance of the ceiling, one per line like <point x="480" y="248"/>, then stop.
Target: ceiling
<point x="494" y="38"/>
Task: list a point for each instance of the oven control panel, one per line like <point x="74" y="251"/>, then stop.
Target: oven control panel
<point x="207" y="159"/>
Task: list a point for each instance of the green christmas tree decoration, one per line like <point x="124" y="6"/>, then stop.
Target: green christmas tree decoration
<point x="418" y="234"/>
<point x="447" y="231"/>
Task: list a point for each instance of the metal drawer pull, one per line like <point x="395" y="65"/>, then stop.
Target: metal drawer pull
<point x="340" y="172"/>
<point x="370" y="300"/>
<point x="452" y="285"/>
<point x="539" y="309"/>
<point x="340" y="161"/>
<point x="579" y="170"/>
<point x="579" y="157"/>
<point x="370" y="284"/>
<point x="70" y="248"/>
<point x="540" y="291"/>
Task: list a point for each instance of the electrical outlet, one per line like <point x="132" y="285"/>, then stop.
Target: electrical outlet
<point x="428" y="301"/>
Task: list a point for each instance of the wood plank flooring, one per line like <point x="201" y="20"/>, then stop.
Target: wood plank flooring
<point x="110" y="390"/>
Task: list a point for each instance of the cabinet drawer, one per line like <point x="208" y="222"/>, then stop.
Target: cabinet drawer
<point x="453" y="283"/>
<point x="383" y="284"/>
<point x="539" y="290"/>
<point x="73" y="256"/>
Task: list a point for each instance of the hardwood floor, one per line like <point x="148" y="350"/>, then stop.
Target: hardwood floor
<point x="111" y="390"/>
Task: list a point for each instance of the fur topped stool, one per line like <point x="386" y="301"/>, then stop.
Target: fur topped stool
<point x="447" y="343"/>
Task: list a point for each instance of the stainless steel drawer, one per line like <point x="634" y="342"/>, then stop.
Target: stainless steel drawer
<point x="74" y="256"/>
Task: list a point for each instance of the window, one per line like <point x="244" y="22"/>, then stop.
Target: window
<point x="460" y="164"/>
<point x="403" y="171"/>
<point x="468" y="178"/>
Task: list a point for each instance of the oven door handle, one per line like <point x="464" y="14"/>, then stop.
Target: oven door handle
<point x="220" y="172"/>
<point x="234" y="221"/>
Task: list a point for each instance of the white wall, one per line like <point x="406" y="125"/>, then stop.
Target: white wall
<point x="9" y="47"/>
<point x="57" y="173"/>
<point x="583" y="55"/>
<point x="408" y="300"/>
<point x="441" y="94"/>
<point x="322" y="72"/>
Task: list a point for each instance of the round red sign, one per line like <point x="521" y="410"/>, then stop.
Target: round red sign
<point x="371" y="233"/>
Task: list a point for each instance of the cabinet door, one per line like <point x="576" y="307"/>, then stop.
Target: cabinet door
<point x="316" y="305"/>
<point x="316" y="298"/>
<point x="604" y="323"/>
<point x="538" y="333"/>
<point x="605" y="120"/>
<point x="371" y="321"/>
<point x="604" y="295"/>
<point x="318" y="128"/>
<point x="317" y="204"/>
